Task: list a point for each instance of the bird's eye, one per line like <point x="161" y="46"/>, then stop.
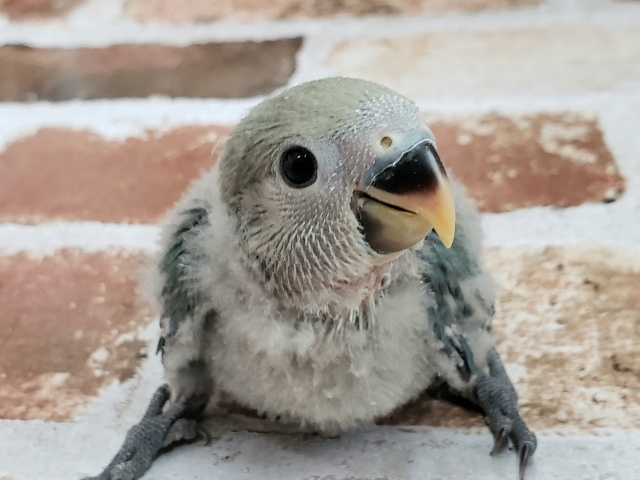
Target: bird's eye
<point x="299" y="167"/>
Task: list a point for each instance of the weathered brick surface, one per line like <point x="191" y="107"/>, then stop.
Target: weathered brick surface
<point x="558" y="159"/>
<point x="464" y="63"/>
<point x="568" y="327"/>
<point x="70" y="325"/>
<point x="204" y="10"/>
<point x="30" y="9"/>
<point x="240" y="69"/>
<point x="78" y="175"/>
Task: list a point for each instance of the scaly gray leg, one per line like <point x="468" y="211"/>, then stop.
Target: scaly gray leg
<point x="156" y="431"/>
<point x="498" y="399"/>
<point x="494" y="394"/>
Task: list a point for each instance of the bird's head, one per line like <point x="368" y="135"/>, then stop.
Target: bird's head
<point x="330" y="181"/>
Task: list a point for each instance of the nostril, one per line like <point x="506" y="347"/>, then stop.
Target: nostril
<point x="386" y="141"/>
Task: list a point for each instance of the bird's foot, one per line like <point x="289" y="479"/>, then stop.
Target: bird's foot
<point x="498" y="399"/>
<point x="185" y="430"/>
<point x="156" y="431"/>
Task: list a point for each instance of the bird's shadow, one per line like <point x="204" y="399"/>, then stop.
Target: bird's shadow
<point x="436" y="407"/>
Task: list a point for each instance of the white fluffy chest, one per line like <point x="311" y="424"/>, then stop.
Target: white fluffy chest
<point x="330" y="380"/>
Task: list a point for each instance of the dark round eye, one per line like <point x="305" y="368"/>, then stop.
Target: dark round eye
<point x="299" y="167"/>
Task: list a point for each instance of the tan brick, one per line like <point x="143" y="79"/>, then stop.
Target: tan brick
<point x="30" y="9"/>
<point x="568" y="328"/>
<point x="204" y="10"/>
<point x="497" y="62"/>
<point x="240" y="69"/>
<point x="77" y="175"/>
<point x="558" y="159"/>
<point x="70" y="325"/>
<point x="568" y="325"/>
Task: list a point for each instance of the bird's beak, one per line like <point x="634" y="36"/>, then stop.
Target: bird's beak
<point x="404" y="195"/>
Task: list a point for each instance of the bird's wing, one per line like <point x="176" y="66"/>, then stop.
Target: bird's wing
<point x="463" y="293"/>
<point x="179" y="294"/>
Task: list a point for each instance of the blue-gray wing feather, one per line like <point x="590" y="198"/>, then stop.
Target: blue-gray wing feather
<point x="179" y="296"/>
<point x="460" y="304"/>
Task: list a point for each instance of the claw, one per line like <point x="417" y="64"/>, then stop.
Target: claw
<point x="498" y="399"/>
<point x="148" y="438"/>
<point x="501" y="440"/>
<point x="204" y="435"/>
<point x="525" y="453"/>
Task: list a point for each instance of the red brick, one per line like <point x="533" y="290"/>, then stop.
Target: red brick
<point x="31" y="9"/>
<point x="70" y="325"/>
<point x="550" y="59"/>
<point x="205" y="10"/>
<point x="505" y="162"/>
<point x="239" y="69"/>
<point x="61" y="174"/>
<point x="558" y="159"/>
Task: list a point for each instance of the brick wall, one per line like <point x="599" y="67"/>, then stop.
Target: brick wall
<point x="109" y="108"/>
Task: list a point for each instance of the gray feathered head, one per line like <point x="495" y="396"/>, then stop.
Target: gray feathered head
<point x="329" y="182"/>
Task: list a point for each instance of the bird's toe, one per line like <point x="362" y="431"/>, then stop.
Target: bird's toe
<point x="525" y="452"/>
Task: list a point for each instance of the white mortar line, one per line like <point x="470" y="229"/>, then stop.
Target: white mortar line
<point x="89" y="27"/>
<point x="612" y="224"/>
<point x="90" y="236"/>
<point x="121" y="118"/>
<point x="545" y="226"/>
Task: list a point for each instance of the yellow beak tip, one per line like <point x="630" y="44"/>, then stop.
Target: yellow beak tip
<point x="444" y="222"/>
<point x="448" y="242"/>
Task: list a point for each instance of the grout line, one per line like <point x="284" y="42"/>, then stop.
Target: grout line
<point x="74" y="30"/>
<point x="546" y="226"/>
<point x="121" y="118"/>
<point x="538" y="226"/>
<point x="90" y="236"/>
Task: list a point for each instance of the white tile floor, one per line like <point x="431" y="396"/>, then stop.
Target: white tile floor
<point x="66" y="451"/>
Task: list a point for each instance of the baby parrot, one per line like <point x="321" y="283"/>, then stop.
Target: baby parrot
<point x="325" y="271"/>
